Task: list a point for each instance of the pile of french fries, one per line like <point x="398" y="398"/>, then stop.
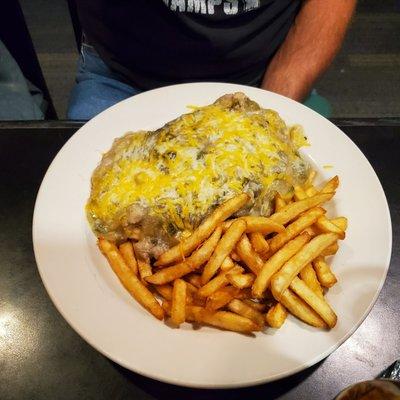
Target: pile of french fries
<point x="243" y="274"/>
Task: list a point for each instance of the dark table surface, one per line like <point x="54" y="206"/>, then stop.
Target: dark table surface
<point x="42" y="358"/>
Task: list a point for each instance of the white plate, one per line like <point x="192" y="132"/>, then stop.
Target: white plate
<point x="91" y="299"/>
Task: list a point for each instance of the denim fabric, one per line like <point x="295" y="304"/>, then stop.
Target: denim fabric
<point x="96" y="88"/>
<point x="19" y="99"/>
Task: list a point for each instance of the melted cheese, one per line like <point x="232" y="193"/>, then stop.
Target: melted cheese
<point x="182" y="170"/>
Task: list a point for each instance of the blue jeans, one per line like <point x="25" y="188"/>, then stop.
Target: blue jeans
<point x="96" y="88"/>
<point x="19" y="98"/>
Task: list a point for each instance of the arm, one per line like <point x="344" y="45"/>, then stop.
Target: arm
<point x="309" y="47"/>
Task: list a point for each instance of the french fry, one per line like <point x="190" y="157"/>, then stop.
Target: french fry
<point x="166" y="306"/>
<point x="218" y="282"/>
<point x="227" y="264"/>
<point x="129" y="280"/>
<point x="178" y="306"/>
<point x="312" y="231"/>
<point x="247" y="254"/>
<point x="299" y="193"/>
<point x="318" y="304"/>
<point x="279" y="202"/>
<point x="324" y="273"/>
<point x="291" y="276"/>
<point x="310" y="179"/>
<point x="191" y="293"/>
<point x="308" y="275"/>
<point x="165" y="291"/>
<point x="331" y="185"/>
<point x="223" y="249"/>
<point x="226" y="224"/>
<point x="235" y="256"/>
<point x="243" y="294"/>
<point x="293" y="210"/>
<point x="295" y="228"/>
<point x="198" y="258"/>
<point x="288" y="197"/>
<point x="240" y="281"/>
<point x="223" y="319"/>
<point x="256" y="224"/>
<point x="144" y="269"/>
<point x="257" y="306"/>
<point x="221" y="298"/>
<point x="324" y="225"/>
<point x="330" y="250"/>
<point x="311" y="191"/>
<point x="194" y="279"/>
<point x="260" y="245"/>
<point x="282" y="279"/>
<point x="275" y="263"/>
<point x="300" y="309"/>
<point x="199" y="301"/>
<point x="262" y="225"/>
<point x="205" y="229"/>
<point x="190" y="289"/>
<point x="126" y="250"/>
<point x="340" y="222"/>
<point x="276" y="316"/>
<point x="193" y="313"/>
<point x="239" y="307"/>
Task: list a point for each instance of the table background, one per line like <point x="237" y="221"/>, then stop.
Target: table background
<point x="41" y="357"/>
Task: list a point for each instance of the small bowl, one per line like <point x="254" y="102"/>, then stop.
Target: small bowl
<point x="377" y="389"/>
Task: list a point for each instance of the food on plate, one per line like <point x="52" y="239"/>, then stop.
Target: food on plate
<point x="223" y="319"/>
<point x="129" y="280"/>
<point x="198" y="258"/>
<point x="256" y="305"/>
<point x="155" y="186"/>
<point x="276" y="316"/>
<point x="324" y="273"/>
<point x="239" y="307"/>
<point x="293" y="210"/>
<point x="222" y="297"/>
<point x="240" y="280"/>
<point x="248" y="255"/>
<point x="275" y="262"/>
<point x="144" y="268"/>
<point x="259" y="243"/>
<point x="237" y="296"/>
<point x="227" y="264"/>
<point x="218" y="282"/>
<point x="299" y="308"/>
<point x="295" y="228"/>
<point x="257" y="225"/>
<point x="186" y="245"/>
<point x="178" y="306"/>
<point x="241" y="247"/>
<point x="308" y="275"/>
<point x="282" y="279"/>
<point x="317" y="303"/>
<point x="223" y="249"/>
<point x="128" y="255"/>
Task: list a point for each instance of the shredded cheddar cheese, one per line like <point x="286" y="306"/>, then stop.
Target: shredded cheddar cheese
<point x="185" y="168"/>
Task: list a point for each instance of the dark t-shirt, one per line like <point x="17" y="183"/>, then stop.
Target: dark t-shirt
<point x="152" y="43"/>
